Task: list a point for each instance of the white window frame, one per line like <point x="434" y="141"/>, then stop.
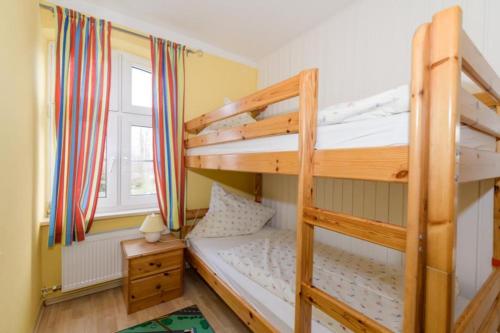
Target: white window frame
<point x="121" y="119"/>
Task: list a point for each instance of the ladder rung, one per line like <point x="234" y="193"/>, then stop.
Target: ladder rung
<point x="341" y="312"/>
<point x="385" y="234"/>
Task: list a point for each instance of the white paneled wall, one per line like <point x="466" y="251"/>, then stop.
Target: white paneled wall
<point x="366" y="48"/>
<point x="362" y="50"/>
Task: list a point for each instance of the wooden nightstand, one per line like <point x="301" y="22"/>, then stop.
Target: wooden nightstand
<point x="152" y="272"/>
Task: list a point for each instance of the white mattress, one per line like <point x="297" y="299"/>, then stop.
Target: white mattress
<point x="375" y="132"/>
<point x="278" y="312"/>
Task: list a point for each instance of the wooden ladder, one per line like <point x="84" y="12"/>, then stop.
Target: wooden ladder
<point x="310" y="217"/>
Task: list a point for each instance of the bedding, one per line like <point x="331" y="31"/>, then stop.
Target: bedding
<point x="275" y="309"/>
<point x="231" y="215"/>
<point x="385" y="104"/>
<point x="366" y="285"/>
<point x="377" y="121"/>
<point x="238" y="120"/>
<point x="378" y="132"/>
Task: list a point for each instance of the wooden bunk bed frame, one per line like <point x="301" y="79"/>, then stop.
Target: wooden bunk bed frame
<point x="432" y="164"/>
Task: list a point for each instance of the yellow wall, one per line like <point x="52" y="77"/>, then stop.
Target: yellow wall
<point x="208" y="80"/>
<point x="19" y="255"/>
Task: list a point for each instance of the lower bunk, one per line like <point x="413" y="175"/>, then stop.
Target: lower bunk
<point x="255" y="275"/>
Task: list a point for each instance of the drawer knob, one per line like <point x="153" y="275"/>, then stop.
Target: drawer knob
<point x="151" y="264"/>
<point x="158" y="265"/>
<point x="158" y="286"/>
<point x="166" y="274"/>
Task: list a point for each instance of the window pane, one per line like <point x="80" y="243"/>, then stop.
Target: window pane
<point x="142" y="176"/>
<point x="104" y="177"/>
<point x="142" y="179"/>
<point x="141" y="140"/>
<point x="141" y="88"/>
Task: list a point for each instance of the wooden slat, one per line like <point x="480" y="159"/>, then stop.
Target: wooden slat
<point x="275" y="162"/>
<point x="284" y="124"/>
<point x="384" y="234"/>
<point x="247" y="313"/>
<point x="445" y="74"/>
<point x="491" y="324"/>
<point x="477" y="115"/>
<point x="478" y="164"/>
<point x="192" y="214"/>
<point x="477" y="68"/>
<point x="486" y="99"/>
<point x="378" y="163"/>
<point x="476" y="312"/>
<point x="341" y="312"/>
<point x="308" y="109"/>
<point x="417" y="182"/>
<point x="273" y="94"/>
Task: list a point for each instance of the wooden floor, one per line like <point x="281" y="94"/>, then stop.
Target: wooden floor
<point x="105" y="311"/>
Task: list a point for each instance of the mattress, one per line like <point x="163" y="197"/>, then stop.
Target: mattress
<point x="277" y="311"/>
<point x="383" y="131"/>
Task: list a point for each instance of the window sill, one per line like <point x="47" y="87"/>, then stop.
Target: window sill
<point x="111" y="215"/>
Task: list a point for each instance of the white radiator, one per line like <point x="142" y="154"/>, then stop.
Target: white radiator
<point x="95" y="260"/>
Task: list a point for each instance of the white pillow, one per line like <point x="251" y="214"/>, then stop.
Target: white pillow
<point x="388" y="103"/>
<point x="238" y="120"/>
<point x="231" y="215"/>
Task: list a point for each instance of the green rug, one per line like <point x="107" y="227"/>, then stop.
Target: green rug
<point x="187" y="320"/>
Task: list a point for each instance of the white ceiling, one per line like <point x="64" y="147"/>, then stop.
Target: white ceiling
<point x="246" y="28"/>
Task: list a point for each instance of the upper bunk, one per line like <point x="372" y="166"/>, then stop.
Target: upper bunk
<point x="271" y="145"/>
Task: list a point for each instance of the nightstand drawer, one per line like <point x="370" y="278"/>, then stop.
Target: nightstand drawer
<point x="155" y="284"/>
<point x="134" y="306"/>
<point x="157" y="263"/>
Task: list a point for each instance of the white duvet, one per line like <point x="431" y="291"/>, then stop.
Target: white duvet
<point x="382" y="105"/>
<point x="366" y="285"/>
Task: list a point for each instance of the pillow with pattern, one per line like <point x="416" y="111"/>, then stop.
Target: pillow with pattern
<point x="231" y="215"/>
<point x="234" y="121"/>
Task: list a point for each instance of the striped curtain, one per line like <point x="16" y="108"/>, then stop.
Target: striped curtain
<point x="168" y="129"/>
<point x="83" y="68"/>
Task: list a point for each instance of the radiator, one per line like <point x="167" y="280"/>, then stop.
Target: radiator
<point x="97" y="259"/>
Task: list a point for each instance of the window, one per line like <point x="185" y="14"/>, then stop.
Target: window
<point x="141" y="87"/>
<point x="127" y="181"/>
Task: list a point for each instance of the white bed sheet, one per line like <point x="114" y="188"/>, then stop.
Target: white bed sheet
<point x="376" y="132"/>
<point x="278" y="312"/>
<point x="274" y="309"/>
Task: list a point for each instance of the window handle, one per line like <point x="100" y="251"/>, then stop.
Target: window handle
<point x="112" y="164"/>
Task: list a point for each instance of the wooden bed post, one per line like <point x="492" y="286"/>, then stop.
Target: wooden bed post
<point x="496" y="215"/>
<point x="417" y="181"/>
<point x="258" y="187"/>
<point x="308" y="95"/>
<point x="445" y="73"/>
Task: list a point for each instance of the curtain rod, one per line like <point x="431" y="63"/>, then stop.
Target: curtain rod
<point x="133" y="33"/>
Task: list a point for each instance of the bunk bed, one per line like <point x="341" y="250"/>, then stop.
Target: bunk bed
<point x="432" y="162"/>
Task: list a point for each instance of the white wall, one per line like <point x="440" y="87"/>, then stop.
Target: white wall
<point x="362" y="50"/>
<point x="366" y="48"/>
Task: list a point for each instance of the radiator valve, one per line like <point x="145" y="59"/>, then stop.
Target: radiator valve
<point x="49" y="290"/>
